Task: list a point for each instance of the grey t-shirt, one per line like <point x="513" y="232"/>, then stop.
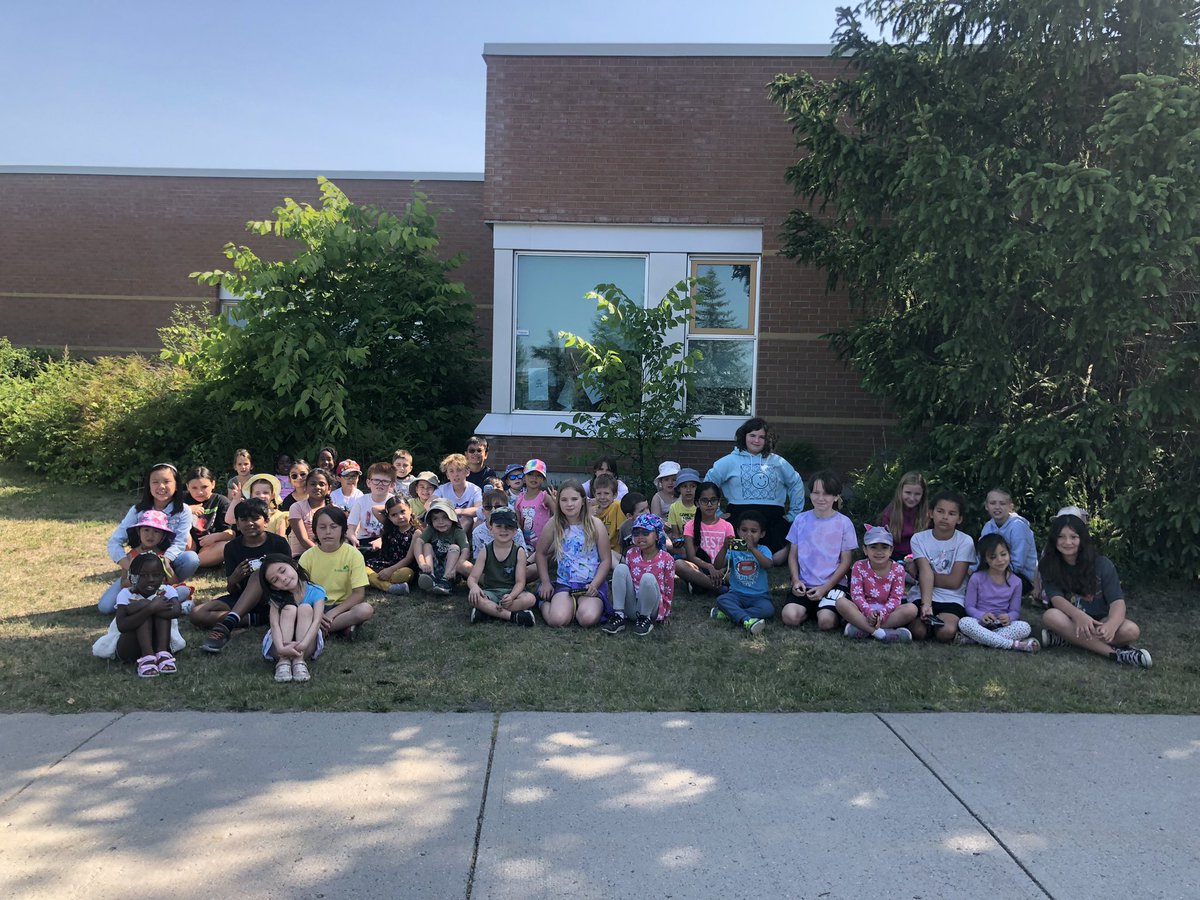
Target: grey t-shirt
<point x="1108" y="589"/>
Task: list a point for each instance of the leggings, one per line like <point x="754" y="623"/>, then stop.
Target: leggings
<point x="1000" y="638"/>
<point x="640" y="600"/>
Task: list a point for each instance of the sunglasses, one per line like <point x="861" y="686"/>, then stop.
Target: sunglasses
<point x="498" y="506"/>
<point x="297" y="474"/>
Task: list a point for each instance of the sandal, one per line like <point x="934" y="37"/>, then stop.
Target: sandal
<point x="283" y="670"/>
<point x="166" y="663"/>
<point x="300" y="671"/>
<point x="147" y="667"/>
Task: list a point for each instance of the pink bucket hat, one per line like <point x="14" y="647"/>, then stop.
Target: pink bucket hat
<point x="149" y="518"/>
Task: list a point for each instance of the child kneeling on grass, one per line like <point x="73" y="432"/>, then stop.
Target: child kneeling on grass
<point x="296" y="607"/>
<point x="876" y="606"/>
<point x="496" y="584"/>
<point x="146" y="619"/>
<point x="748" y="600"/>
<point x="338" y="567"/>
<point x="644" y="584"/>
<point x="441" y="549"/>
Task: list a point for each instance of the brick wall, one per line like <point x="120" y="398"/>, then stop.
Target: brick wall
<point x="682" y="140"/>
<point x="98" y="262"/>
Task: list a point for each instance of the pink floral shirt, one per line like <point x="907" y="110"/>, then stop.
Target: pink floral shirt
<point x="871" y="593"/>
<point x="662" y="567"/>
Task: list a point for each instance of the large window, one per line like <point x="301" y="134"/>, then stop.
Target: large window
<point x="722" y="328"/>
<point x="549" y="292"/>
<point x="542" y="271"/>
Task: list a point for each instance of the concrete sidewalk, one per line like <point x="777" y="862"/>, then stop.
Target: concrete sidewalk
<point x="328" y="805"/>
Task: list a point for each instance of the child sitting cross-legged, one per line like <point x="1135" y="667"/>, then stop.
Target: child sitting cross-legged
<point x="441" y="549"/>
<point x="393" y="566"/>
<point x="338" y="567"/>
<point x="644" y="584"/>
<point x="496" y="584"/>
<point x="993" y="601"/>
<point x="747" y="602"/>
<point x="243" y="603"/>
<point x="876" y="606"/>
<point x="494" y="500"/>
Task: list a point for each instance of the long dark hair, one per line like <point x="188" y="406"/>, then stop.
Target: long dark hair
<point x="987" y="546"/>
<point x="700" y="489"/>
<point x="1079" y="578"/>
<point x="389" y="527"/>
<point x="754" y="425"/>
<point x="337" y="514"/>
<point x="280" y="598"/>
<point x="147" y="500"/>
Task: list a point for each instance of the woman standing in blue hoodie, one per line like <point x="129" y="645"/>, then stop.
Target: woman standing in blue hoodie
<point x="752" y="477"/>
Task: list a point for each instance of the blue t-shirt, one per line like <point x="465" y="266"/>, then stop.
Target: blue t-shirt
<point x="747" y="577"/>
<point x="312" y="594"/>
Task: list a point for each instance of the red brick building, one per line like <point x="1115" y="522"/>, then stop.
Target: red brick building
<point x="638" y="165"/>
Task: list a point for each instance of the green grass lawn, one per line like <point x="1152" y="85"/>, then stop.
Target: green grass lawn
<point x="419" y="652"/>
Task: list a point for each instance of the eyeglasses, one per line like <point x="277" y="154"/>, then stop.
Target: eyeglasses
<point x="708" y="501"/>
<point x="379" y="481"/>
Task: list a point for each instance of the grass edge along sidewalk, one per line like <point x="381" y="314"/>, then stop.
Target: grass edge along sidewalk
<point x="420" y="653"/>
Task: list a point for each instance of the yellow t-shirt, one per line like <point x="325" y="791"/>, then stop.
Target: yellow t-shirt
<point x="338" y="572"/>
<point x="678" y="516"/>
<point x="278" y="523"/>
<point x="612" y="519"/>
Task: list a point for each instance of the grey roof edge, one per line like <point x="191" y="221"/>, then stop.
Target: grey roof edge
<point x="334" y="174"/>
<point x="790" y="50"/>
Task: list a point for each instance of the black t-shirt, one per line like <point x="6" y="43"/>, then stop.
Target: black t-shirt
<point x="480" y="478"/>
<point x="236" y="551"/>
<point x="211" y="518"/>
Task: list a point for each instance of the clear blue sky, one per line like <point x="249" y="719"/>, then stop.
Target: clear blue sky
<point x="264" y="84"/>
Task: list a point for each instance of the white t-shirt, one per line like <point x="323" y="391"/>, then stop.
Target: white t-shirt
<point x="126" y="594"/>
<point x="364" y="523"/>
<point x="471" y="495"/>
<point x="339" y="499"/>
<point x="942" y="556"/>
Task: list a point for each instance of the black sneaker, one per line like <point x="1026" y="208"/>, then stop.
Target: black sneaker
<point x="218" y="637"/>
<point x="476" y="616"/>
<point x="1050" y="639"/>
<point x="442" y="586"/>
<point x="524" y="618"/>
<point x="643" y="625"/>
<point x="1132" y="656"/>
<point x="614" y="625"/>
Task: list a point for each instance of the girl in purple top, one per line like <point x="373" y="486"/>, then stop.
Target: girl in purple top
<point x="993" y="601"/>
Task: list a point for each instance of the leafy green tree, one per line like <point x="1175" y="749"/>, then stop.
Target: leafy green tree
<point x="362" y="333"/>
<point x="636" y="378"/>
<point x="1010" y="191"/>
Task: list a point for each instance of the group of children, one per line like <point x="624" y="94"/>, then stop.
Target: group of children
<point x="299" y="554"/>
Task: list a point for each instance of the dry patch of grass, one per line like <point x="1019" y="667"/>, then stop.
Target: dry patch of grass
<point x="419" y="652"/>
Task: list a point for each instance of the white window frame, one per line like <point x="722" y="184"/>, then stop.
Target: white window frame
<point x="512" y="371"/>
<point x="745" y="336"/>
<point x="668" y="250"/>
